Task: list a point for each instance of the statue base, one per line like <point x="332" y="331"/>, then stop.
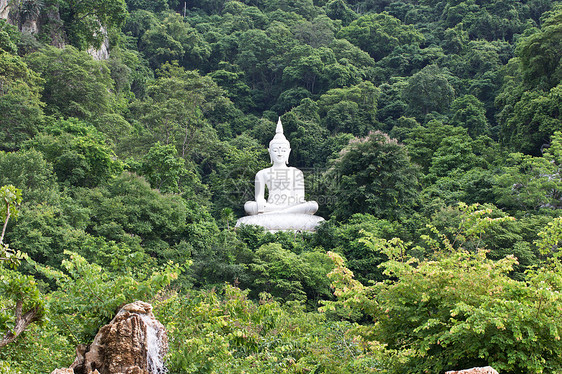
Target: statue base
<point x="282" y="221"/>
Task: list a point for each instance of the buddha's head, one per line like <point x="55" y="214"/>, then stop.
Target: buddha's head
<point x="279" y="147"/>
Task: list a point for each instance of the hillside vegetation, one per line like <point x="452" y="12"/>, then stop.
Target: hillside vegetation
<point x="429" y="132"/>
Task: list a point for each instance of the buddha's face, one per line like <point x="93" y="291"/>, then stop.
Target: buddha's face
<point x="279" y="153"/>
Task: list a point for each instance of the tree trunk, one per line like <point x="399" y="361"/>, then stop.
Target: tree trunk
<point x="22" y="321"/>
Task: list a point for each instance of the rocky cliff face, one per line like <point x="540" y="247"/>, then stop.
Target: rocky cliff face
<point x="4" y="9"/>
<point x="26" y="24"/>
<point x="49" y="16"/>
<point x="103" y="52"/>
<point x="134" y="342"/>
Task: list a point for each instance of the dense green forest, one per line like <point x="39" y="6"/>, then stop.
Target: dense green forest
<point x="429" y="131"/>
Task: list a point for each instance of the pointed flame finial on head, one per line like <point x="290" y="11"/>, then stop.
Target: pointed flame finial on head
<point x="279" y="129"/>
<point x="279" y="136"/>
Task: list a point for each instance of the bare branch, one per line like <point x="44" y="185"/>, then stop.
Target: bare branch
<point x="5" y="222"/>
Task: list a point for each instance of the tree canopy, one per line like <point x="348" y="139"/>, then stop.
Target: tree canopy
<point x="428" y="132"/>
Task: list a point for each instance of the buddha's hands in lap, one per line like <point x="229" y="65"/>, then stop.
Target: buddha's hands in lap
<point x="261" y="203"/>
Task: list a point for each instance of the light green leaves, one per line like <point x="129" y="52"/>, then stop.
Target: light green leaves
<point x="10" y="199"/>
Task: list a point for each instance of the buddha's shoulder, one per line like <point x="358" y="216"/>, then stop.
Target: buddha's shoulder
<point x="264" y="172"/>
<point x="271" y="171"/>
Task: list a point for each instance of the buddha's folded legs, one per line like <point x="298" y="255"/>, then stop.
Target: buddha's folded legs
<point x="309" y="207"/>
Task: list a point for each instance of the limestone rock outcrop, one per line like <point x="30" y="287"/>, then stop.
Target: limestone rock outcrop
<point x="134" y="342"/>
<point x="482" y="370"/>
<point x="101" y="53"/>
<point x="4" y="9"/>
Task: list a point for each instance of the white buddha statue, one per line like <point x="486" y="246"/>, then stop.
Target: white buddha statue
<point x="285" y="207"/>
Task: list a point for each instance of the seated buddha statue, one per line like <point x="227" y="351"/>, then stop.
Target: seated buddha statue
<point x="284" y="187"/>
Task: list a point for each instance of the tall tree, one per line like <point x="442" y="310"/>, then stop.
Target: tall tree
<point x="87" y="23"/>
<point x="530" y="99"/>
<point x="379" y="34"/>
<point x="175" y="108"/>
<point x="78" y="152"/>
<point x="373" y="175"/>
<point x="541" y="53"/>
<point x="75" y="84"/>
<point x="20" y="299"/>
<point x="469" y="113"/>
<point x="20" y="105"/>
<point x="428" y="91"/>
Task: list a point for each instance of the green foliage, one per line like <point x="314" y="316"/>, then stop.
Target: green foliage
<point x="550" y="239"/>
<point x="32" y="173"/>
<point x="87" y="23"/>
<point x="311" y="70"/>
<point x="529" y="183"/>
<point x="163" y="169"/>
<point x="529" y="118"/>
<point x="469" y="112"/>
<point x="379" y="34"/>
<point x="20" y="105"/>
<point x="82" y="285"/>
<point x="21" y="303"/>
<point x="531" y="96"/>
<point x="232" y="180"/>
<point x="347" y="239"/>
<point x="350" y="110"/>
<point x="303" y="8"/>
<point x="540" y="53"/>
<point x="42" y="348"/>
<point x="312" y="145"/>
<point x="373" y="175"/>
<point x="149" y="5"/>
<point x="127" y="210"/>
<point x="172" y="40"/>
<point x="8" y="37"/>
<point x="288" y="276"/>
<point x="173" y="111"/>
<point x="229" y="333"/>
<point x="235" y="87"/>
<point x="457" y="168"/>
<point x="78" y="153"/>
<point x="138" y="22"/>
<point x="44" y="233"/>
<point x="406" y="60"/>
<point x="10" y="199"/>
<point x="188" y="100"/>
<point x="454" y="153"/>
<point x="338" y="9"/>
<point x="219" y="258"/>
<point x="428" y="91"/>
<point x="75" y="84"/>
<point x="458" y="309"/>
